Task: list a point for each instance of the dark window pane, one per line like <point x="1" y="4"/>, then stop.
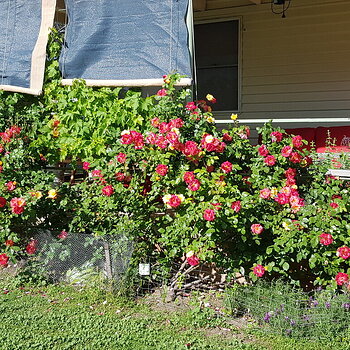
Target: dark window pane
<point x="216" y="48"/>
<point x="222" y="84"/>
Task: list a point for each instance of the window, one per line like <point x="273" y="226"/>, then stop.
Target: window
<point x="217" y="57"/>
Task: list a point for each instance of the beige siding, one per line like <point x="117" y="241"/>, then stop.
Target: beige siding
<point x="297" y="67"/>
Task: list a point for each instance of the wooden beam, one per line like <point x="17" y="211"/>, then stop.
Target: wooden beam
<point x="199" y="5"/>
<point x="257" y="2"/>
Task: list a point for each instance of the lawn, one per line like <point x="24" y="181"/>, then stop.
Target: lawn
<point x="63" y="317"/>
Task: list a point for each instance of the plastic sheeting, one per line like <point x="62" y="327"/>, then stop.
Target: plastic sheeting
<point x="24" y="28"/>
<point x="125" y="39"/>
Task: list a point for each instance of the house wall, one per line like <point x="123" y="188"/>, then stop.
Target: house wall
<point x="293" y="67"/>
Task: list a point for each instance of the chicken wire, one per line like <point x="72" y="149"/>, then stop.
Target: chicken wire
<point x="79" y="258"/>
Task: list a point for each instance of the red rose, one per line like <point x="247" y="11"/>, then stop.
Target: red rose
<point x="341" y="278"/>
<point x="193" y="260"/>
<point x="189" y="177"/>
<point x="343" y="252"/>
<point x="259" y="270"/>
<point x="191" y="148"/>
<point x="4" y="259"/>
<point x="32" y="246"/>
<point x="9" y="243"/>
<point x="295" y="157"/>
<point x="209" y="215"/>
<point x="227" y="137"/>
<point x="270" y="160"/>
<point x="276" y="136"/>
<point x="194" y="185"/>
<point x="334" y="205"/>
<point x="62" y="235"/>
<point x="86" y="165"/>
<point x="236" y="206"/>
<point x="107" y="190"/>
<point x="325" y="238"/>
<point x="297" y="141"/>
<point x="257" y="229"/>
<point x="120" y="176"/>
<point x="286" y="151"/>
<point x="121" y="157"/>
<point x="17" y="205"/>
<point x="162" y="92"/>
<point x="174" y="201"/>
<point x="281" y="198"/>
<point x="226" y="167"/>
<point x="263" y="151"/>
<point x="162" y="169"/>
<point x="3" y="202"/>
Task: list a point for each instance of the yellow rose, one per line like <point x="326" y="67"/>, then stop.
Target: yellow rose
<point x="210" y="97"/>
<point x="52" y="194"/>
<point x="211" y="120"/>
<point x="234" y="116"/>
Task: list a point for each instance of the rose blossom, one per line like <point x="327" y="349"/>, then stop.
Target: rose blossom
<point x="9" y="243"/>
<point x="286" y="151"/>
<point x="297" y="141"/>
<point x="189" y="177"/>
<point x="259" y="270"/>
<point x="162" y="169"/>
<point x="121" y="157"/>
<point x="107" y="190"/>
<point x="276" y="136"/>
<point x="227" y="137"/>
<point x="4" y="259"/>
<point x="263" y="151"/>
<point x="281" y="198"/>
<point x="265" y="193"/>
<point x="270" y="160"/>
<point x="86" y="165"/>
<point x="341" y="278"/>
<point x="334" y="205"/>
<point x="190" y="106"/>
<point x="236" y="206"/>
<point x="62" y="235"/>
<point x="191" y="148"/>
<point x="162" y="92"/>
<point x="209" y="215"/>
<point x="17" y="205"/>
<point x="295" y="157"/>
<point x="173" y="200"/>
<point x="32" y="246"/>
<point x="11" y="185"/>
<point x="325" y="238"/>
<point x="2" y="202"/>
<point x="192" y="258"/>
<point x="155" y="122"/>
<point x="343" y="252"/>
<point x="226" y="167"/>
<point x="257" y="229"/>
<point x="194" y="185"/>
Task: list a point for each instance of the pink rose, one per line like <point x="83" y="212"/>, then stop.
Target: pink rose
<point x="236" y="206"/>
<point x="341" y="278"/>
<point x="276" y="136"/>
<point x="121" y="157"/>
<point x="227" y="137"/>
<point x="343" y="252"/>
<point x="155" y="122"/>
<point x="295" y="157"/>
<point x="174" y="201"/>
<point x="189" y="177"/>
<point x="270" y="160"/>
<point x="11" y="185"/>
<point x="265" y="193"/>
<point x="297" y="141"/>
<point x="259" y="270"/>
<point x="194" y="185"/>
<point x="191" y="148"/>
<point x="286" y="151"/>
<point x="257" y="229"/>
<point x="209" y="215"/>
<point x="281" y="198"/>
<point x="86" y="165"/>
<point x="17" y="205"/>
<point x="226" y="167"/>
<point x="193" y="260"/>
<point x="107" y="190"/>
<point x="190" y="106"/>
<point x="263" y="151"/>
<point x="162" y="169"/>
<point x="325" y="238"/>
<point x="162" y="92"/>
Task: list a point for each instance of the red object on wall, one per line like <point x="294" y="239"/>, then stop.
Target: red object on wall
<point x="339" y="135"/>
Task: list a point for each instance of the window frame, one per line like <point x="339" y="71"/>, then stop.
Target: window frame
<point x="239" y="60"/>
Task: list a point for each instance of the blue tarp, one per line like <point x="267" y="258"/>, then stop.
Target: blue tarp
<point x="19" y="29"/>
<point x="125" y="39"/>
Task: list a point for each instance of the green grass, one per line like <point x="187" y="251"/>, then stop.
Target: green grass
<point x="63" y="317"/>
